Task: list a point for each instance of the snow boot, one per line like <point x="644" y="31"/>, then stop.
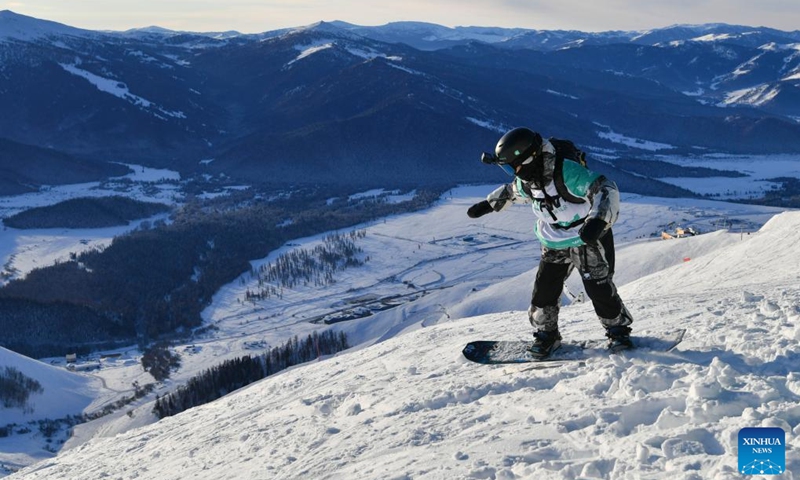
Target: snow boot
<point x="619" y="338"/>
<point x="545" y="342"/>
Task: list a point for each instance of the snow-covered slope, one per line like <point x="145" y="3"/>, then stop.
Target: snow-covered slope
<point x="64" y="393"/>
<point x="21" y="27"/>
<point x="766" y="258"/>
<point x="61" y="393"/>
<point x="412" y="407"/>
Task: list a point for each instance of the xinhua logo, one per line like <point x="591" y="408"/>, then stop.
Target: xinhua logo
<point x="762" y="451"/>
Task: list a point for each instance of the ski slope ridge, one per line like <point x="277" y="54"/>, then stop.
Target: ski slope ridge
<point x="412" y="408"/>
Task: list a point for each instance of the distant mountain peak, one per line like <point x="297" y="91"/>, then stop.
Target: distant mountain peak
<point x="22" y="27"/>
<point x="151" y="29"/>
<point x="326" y="29"/>
<point x="155" y="30"/>
<point x="321" y="26"/>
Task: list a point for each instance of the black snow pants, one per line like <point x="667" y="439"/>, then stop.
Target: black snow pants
<point x="595" y="264"/>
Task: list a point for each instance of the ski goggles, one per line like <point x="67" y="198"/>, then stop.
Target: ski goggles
<point x="507" y="168"/>
<point x="512" y="171"/>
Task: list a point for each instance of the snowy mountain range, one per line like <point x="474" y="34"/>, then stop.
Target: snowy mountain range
<point x="399" y="104"/>
<point x="407" y="104"/>
<point x="406" y="404"/>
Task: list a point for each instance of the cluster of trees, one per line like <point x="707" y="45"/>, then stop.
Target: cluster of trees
<point x="47" y="427"/>
<point x="311" y="267"/>
<point x="139" y="391"/>
<point x="16" y="388"/>
<point x="222" y="379"/>
<point x="152" y="283"/>
<point x="50" y="329"/>
<point x="159" y="360"/>
<point x="788" y="195"/>
<point x="86" y="213"/>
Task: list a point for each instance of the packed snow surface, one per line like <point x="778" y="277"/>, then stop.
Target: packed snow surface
<point x="411" y="407"/>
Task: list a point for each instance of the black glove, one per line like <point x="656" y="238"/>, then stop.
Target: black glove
<point x="592" y="230"/>
<point x="480" y="209"/>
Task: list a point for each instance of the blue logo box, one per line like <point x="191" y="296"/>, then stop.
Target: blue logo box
<point x="762" y="451"/>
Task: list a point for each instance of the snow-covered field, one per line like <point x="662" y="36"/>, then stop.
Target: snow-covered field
<point x="759" y="170"/>
<point x="405" y="404"/>
<point x="23" y="250"/>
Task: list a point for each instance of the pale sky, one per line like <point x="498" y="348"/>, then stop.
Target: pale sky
<point x="255" y="16"/>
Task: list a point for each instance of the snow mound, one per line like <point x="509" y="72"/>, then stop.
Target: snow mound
<point x="413" y="407"/>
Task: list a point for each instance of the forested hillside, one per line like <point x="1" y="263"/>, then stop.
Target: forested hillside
<point x="233" y="374"/>
<point x="86" y="213"/>
<point x="153" y="282"/>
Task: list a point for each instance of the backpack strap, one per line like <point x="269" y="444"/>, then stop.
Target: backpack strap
<point x="561" y="188"/>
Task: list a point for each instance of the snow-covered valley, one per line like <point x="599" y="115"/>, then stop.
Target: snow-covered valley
<point x="404" y="403"/>
<point x="412" y="407"/>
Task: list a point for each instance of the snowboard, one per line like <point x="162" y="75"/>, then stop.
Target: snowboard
<point x="494" y="352"/>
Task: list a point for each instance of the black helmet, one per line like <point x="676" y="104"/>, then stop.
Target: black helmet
<point x="518" y="145"/>
<point x="519" y="153"/>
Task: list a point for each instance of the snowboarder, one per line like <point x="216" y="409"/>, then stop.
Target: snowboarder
<point x="575" y="209"/>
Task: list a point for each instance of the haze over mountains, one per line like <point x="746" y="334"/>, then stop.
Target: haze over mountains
<point x="403" y="104"/>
